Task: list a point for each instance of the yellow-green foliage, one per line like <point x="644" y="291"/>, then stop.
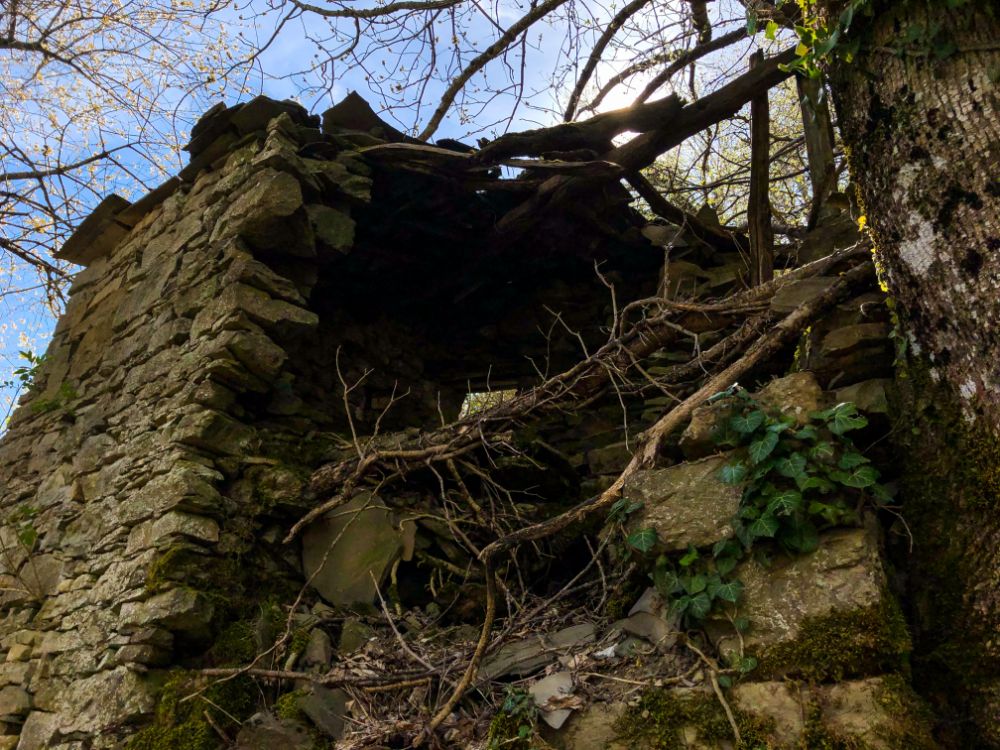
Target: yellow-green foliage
<point x="181" y="724"/>
<point x="866" y="641"/>
<point x="657" y="722"/>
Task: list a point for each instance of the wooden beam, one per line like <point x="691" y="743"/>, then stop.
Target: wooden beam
<point x="759" y="210"/>
<point x="818" y="128"/>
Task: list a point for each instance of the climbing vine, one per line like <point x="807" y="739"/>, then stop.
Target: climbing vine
<point x="797" y="481"/>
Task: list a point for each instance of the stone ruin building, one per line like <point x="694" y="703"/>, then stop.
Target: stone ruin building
<point x="301" y="285"/>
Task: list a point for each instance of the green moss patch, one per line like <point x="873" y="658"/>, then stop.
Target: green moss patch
<point x="867" y="641"/>
<point x="662" y="718"/>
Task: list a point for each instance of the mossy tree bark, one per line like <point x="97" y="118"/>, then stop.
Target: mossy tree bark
<point x="920" y="115"/>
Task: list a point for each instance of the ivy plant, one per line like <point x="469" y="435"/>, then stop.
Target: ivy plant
<point x="797" y="481"/>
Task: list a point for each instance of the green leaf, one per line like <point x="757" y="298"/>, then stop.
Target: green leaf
<point x="751" y="22"/>
<point x="747" y="423"/>
<point x="733" y="473"/>
<point x="771" y="30"/>
<point x="695" y="584"/>
<point x="689" y="558"/>
<point x="680" y="605"/>
<point x="800" y="535"/>
<point x="729" y="591"/>
<point x="724" y="565"/>
<point x="785" y="503"/>
<point x="725" y="681"/>
<point x="666" y="581"/>
<point x="761" y="449"/>
<point x="742" y="624"/>
<point x="808" y="432"/>
<point x="766" y="526"/>
<point x="821" y="452"/>
<point x="642" y="540"/>
<point x="747" y="664"/>
<point x="851" y="459"/>
<point x="815" y="483"/>
<point x="27" y="536"/>
<point x="793" y="466"/>
<point x="701" y="605"/>
<point x="859" y="477"/>
<point x="843" y="418"/>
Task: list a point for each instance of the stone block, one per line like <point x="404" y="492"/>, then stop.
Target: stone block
<point x="178" y="610"/>
<point x="344" y="550"/>
<point x="176" y="523"/>
<point x="212" y="431"/>
<point x="686" y="505"/>
<point x="14" y="701"/>
<point x="610" y="459"/>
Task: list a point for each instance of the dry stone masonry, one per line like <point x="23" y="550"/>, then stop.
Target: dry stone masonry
<point x="221" y="332"/>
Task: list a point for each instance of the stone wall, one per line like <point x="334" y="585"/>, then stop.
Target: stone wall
<point x="197" y="377"/>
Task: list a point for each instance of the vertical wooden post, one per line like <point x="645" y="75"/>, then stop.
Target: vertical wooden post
<point x="759" y="210"/>
<point x="818" y="127"/>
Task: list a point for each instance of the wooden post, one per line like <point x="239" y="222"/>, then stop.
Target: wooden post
<point x="818" y="128"/>
<point x="759" y="210"/>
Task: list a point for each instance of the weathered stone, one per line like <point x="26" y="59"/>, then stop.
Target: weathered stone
<point x="14" y="701"/>
<point x="590" y="729"/>
<point x="319" y="649"/>
<point x="528" y="655"/>
<point x="176" y="610"/>
<point x="844" y="575"/>
<point x="270" y="196"/>
<point x="176" y="523"/>
<point x="354" y="635"/>
<point x="350" y="551"/>
<point x="38" y="730"/>
<point x="212" y="431"/>
<point x="796" y="395"/>
<point x="791" y="296"/>
<point x="686" y="505"/>
<point x="325" y="708"/>
<point x="610" y="459"/>
<point x="653" y="628"/>
<point x="553" y="687"/>
<point x="869" y="396"/>
<point x="333" y="228"/>
<point x="41" y="575"/>
<point x="849" y="338"/>
<point x="19" y="652"/>
<point x="265" y="732"/>
<point x="104" y="701"/>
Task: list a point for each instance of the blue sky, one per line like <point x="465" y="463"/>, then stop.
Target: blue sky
<point x="26" y="322"/>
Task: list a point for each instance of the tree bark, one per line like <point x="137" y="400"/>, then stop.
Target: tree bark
<point x="921" y="123"/>
<point x="759" y="209"/>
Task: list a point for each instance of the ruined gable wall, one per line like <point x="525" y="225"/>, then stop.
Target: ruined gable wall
<point x="158" y="340"/>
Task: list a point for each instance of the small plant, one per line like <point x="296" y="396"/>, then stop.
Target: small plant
<point x="16" y="555"/>
<point x="514" y="725"/>
<point x="797" y="481"/>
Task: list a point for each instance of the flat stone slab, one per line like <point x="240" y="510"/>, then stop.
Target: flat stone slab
<point x="687" y="504"/>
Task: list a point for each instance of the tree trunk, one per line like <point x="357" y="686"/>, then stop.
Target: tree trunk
<point x="923" y="132"/>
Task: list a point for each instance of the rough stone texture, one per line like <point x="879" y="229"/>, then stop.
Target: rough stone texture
<point x="348" y="553"/>
<point x="687" y="504"/>
<point x="795" y="395"/>
<point x="844" y="574"/>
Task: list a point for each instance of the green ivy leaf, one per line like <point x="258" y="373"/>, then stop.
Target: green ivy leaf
<point x="765" y="526"/>
<point x="695" y="584"/>
<point x="822" y="452"/>
<point x="642" y="540"/>
<point x="742" y="624"/>
<point x="725" y="681"/>
<point x="859" y="477"/>
<point x="733" y="473"/>
<point x="851" y="459"/>
<point x="729" y="591"/>
<point x="793" y="466"/>
<point x="785" y="503"/>
<point x="744" y="424"/>
<point x="800" y="535"/>
<point x="724" y="565"/>
<point x="690" y="557"/>
<point x="843" y="418"/>
<point x="761" y="449"/>
<point x="700" y="606"/>
<point x="809" y="432"/>
<point x="771" y="30"/>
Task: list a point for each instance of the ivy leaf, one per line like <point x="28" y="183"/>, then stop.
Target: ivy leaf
<point x="742" y="624"/>
<point x="725" y="547"/>
<point x="747" y="423"/>
<point x="666" y="581"/>
<point x="695" y="584"/>
<point x="793" y="466"/>
<point x="808" y="432"/>
<point x="815" y="483"/>
<point x="800" y="536"/>
<point x="766" y="526"/>
<point x="642" y="540"/>
<point x="843" y="418"/>
<point x="680" y="605"/>
<point x="821" y="452"/>
<point x="780" y="426"/>
<point x="747" y="664"/>
<point x="725" y="681"/>
<point x="729" y="591"/>
<point x="733" y="473"/>
<point x="761" y="449"/>
<point x="689" y="558"/>
<point x="700" y="606"/>
<point x="859" y="477"/>
<point x="851" y="459"/>
<point x="725" y="565"/>
<point x="785" y="503"/>
<point x="770" y="30"/>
